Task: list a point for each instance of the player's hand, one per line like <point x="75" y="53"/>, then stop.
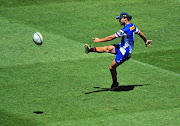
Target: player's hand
<point x="96" y="39"/>
<point x="148" y="42"/>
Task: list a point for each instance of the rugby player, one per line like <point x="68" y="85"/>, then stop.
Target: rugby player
<point x="123" y="50"/>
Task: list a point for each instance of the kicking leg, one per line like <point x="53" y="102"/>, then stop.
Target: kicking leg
<point x="113" y="71"/>
<point x="109" y="49"/>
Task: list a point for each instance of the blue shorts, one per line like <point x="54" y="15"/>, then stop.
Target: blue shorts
<point x="121" y="54"/>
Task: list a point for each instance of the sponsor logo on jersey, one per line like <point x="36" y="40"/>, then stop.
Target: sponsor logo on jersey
<point x="132" y="28"/>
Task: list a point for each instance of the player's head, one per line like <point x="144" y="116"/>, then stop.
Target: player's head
<point x="123" y="18"/>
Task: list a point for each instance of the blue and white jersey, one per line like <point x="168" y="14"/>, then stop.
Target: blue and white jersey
<point x="127" y="34"/>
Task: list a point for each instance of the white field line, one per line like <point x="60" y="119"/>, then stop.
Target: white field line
<point x="155" y="67"/>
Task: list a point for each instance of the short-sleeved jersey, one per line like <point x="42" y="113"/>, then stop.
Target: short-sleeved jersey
<point x="127" y="34"/>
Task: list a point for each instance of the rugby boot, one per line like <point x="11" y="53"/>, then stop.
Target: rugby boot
<point x="87" y="48"/>
<point x="114" y="86"/>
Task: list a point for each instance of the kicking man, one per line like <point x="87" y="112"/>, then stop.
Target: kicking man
<point x="123" y="50"/>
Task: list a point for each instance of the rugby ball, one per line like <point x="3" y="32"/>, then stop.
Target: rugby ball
<point x="37" y="38"/>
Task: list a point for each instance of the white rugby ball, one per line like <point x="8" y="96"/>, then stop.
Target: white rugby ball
<point x="37" y="38"/>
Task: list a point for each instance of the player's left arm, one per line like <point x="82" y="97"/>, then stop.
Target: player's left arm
<point x="108" y="38"/>
<point x="147" y="42"/>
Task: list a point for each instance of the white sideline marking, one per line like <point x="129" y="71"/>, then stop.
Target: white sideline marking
<point x="161" y="69"/>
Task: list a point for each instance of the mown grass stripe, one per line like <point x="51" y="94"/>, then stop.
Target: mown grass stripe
<point x="155" y="67"/>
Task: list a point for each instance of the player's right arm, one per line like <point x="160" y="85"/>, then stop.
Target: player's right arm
<point x="108" y="38"/>
<point x="118" y="34"/>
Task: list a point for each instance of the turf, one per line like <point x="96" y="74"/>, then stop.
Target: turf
<point x="69" y="86"/>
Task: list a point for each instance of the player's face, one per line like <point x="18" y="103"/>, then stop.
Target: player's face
<point x="122" y="21"/>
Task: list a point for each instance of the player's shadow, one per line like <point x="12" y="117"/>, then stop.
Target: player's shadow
<point x="118" y="89"/>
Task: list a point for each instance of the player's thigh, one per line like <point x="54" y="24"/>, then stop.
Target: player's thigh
<point x="114" y="65"/>
<point x="111" y="49"/>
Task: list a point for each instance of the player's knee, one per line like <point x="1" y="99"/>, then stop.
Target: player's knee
<point x="109" y="47"/>
<point x="111" y="68"/>
<point x="105" y="48"/>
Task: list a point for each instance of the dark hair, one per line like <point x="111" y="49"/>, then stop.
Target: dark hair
<point x="130" y="17"/>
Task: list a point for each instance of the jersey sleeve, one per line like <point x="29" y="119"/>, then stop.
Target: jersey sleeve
<point x="136" y="31"/>
<point x="120" y="33"/>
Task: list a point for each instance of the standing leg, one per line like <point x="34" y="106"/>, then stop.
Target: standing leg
<point x="113" y="66"/>
<point x="113" y="71"/>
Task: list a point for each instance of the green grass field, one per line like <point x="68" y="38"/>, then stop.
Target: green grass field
<point x="69" y="86"/>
